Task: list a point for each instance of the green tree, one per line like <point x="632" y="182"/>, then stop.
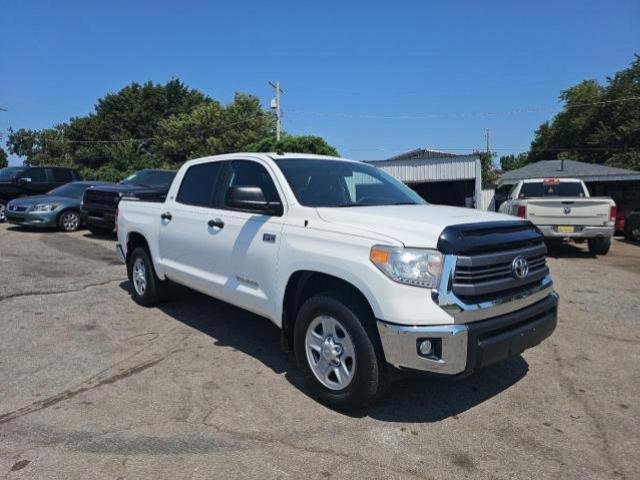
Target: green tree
<point x="489" y="175"/>
<point x="294" y="144"/>
<point x="212" y="129"/>
<point x="598" y="124"/>
<point x="4" y="160"/>
<point x="512" y="162"/>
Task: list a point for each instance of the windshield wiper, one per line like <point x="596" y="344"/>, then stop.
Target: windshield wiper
<point x="405" y="203"/>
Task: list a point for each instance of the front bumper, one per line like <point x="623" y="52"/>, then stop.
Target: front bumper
<point x="464" y="348"/>
<point x="551" y="231"/>
<point x="33" y="219"/>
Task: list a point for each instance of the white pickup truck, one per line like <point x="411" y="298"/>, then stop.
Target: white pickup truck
<point x="361" y="275"/>
<point x="563" y="209"/>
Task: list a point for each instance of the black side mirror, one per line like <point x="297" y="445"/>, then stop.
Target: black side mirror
<point x="251" y="198"/>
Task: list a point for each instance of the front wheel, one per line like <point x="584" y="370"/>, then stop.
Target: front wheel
<point x="145" y="286"/>
<point x="599" y="246"/>
<point x="69" y="221"/>
<point x="338" y="351"/>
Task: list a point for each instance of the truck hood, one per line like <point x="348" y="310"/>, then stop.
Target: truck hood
<point x="411" y="225"/>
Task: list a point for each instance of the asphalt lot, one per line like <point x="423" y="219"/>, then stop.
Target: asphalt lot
<point x="94" y="386"/>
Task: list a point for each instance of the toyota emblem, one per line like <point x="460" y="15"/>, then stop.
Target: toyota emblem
<point x="520" y="267"/>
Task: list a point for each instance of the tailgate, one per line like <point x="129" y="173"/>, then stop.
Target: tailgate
<point x="569" y="211"/>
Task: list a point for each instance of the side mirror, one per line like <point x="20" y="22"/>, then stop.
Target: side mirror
<point x="251" y="199"/>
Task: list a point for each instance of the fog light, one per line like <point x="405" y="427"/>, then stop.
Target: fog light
<point x="425" y="347"/>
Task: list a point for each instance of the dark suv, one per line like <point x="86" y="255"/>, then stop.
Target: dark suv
<point x="100" y="203"/>
<point x="18" y="182"/>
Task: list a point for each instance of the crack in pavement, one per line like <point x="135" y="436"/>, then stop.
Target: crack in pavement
<point x="58" y="292"/>
<point x="95" y="381"/>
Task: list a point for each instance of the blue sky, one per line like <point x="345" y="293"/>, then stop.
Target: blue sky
<point x="374" y="78"/>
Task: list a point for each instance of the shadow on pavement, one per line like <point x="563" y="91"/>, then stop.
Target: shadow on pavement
<point x="413" y="398"/>
<point x="568" y="250"/>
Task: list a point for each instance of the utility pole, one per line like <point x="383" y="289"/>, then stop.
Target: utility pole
<point x="487" y="138"/>
<point x="275" y="105"/>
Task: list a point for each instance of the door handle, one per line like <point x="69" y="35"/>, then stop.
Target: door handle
<point x="216" y="223"/>
<point x="166" y="216"/>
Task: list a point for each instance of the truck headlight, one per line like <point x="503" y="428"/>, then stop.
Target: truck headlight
<point x="412" y="266"/>
<point x="44" y="207"/>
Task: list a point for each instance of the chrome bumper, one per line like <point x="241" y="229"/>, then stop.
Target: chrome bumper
<point x="400" y="345"/>
<point x="550" y="231"/>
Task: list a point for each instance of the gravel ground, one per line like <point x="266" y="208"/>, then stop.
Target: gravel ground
<point x="94" y="386"/>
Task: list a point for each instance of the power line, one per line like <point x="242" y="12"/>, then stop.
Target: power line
<point x="424" y="115"/>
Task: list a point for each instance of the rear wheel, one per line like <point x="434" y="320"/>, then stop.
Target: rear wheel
<point x="69" y="221"/>
<point x="599" y="246"/>
<point x="628" y="231"/>
<point x="338" y="351"/>
<point x="145" y="286"/>
<point x="100" y="231"/>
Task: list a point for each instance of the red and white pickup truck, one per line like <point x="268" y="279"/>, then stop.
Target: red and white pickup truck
<point x="563" y="210"/>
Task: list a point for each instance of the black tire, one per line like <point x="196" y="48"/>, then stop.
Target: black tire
<point x="628" y="231"/>
<point x="155" y="289"/>
<point x="100" y="231"/>
<point x="69" y="221"/>
<point x="599" y="246"/>
<point x="370" y="376"/>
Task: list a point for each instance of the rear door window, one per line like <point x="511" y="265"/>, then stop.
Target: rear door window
<point x="37" y="175"/>
<point x="197" y="187"/>
<point x="62" y="175"/>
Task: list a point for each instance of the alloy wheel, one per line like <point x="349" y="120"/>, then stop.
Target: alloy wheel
<point x="330" y="352"/>
<point x="139" y="277"/>
<point x="70" y="221"/>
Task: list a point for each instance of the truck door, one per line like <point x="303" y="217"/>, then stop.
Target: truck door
<point x="186" y="241"/>
<point x="247" y="244"/>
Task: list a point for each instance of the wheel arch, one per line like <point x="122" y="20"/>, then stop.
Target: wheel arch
<point x="66" y="210"/>
<point x="302" y="285"/>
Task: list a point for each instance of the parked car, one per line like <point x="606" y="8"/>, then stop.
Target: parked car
<point x="632" y="226"/>
<point x="100" y="204"/>
<point x="361" y="275"/>
<point x="563" y="210"/>
<point x="18" y="182"/>
<point x="60" y="208"/>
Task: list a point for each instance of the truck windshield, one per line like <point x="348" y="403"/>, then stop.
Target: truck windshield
<point x="558" y="189"/>
<point x="335" y="183"/>
<point x="10" y="173"/>
<point x="160" y="179"/>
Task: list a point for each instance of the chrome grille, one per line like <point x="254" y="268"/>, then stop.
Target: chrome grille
<point x="488" y="274"/>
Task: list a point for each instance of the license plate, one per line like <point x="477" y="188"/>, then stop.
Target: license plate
<point x="566" y="229"/>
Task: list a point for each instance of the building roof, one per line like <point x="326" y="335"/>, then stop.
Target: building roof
<point x="424" y="165"/>
<point x="588" y="172"/>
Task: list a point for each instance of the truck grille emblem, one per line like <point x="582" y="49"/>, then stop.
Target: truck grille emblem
<point x="520" y="267"/>
<point x="567" y="210"/>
